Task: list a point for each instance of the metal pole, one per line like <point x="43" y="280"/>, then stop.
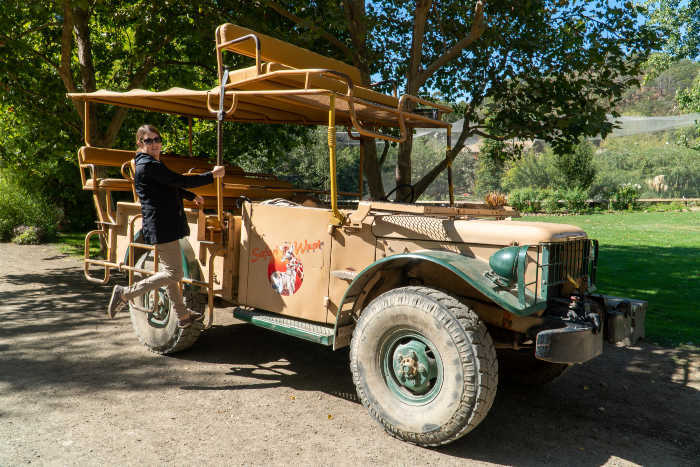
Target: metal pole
<point x="220" y="148"/>
<point x="449" y="165"/>
<point x="86" y="123"/>
<point x="336" y="217"/>
<point x="190" y="125"/>
<point x="362" y="162"/>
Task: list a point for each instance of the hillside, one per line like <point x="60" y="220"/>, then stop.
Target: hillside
<point x="657" y="97"/>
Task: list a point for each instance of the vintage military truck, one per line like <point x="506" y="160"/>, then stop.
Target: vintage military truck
<point x="426" y="297"/>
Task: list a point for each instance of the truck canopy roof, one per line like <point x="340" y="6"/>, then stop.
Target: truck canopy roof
<point x="288" y="84"/>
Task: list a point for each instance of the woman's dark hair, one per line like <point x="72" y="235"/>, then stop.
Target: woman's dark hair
<point x="143" y="129"/>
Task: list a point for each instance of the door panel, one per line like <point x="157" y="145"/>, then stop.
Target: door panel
<point x="285" y="257"/>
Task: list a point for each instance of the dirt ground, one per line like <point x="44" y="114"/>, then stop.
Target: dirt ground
<point x="78" y="389"/>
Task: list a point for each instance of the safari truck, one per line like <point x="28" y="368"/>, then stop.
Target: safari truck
<point x="428" y="298"/>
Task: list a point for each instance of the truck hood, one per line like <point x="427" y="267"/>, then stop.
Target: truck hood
<point x="485" y="232"/>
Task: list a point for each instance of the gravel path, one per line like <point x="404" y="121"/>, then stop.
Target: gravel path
<point x="78" y="389"/>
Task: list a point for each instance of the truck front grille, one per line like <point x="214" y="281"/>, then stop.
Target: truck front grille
<point x="573" y="260"/>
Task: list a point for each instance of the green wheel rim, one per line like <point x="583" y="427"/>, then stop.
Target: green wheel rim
<point x="159" y="317"/>
<point x="411" y="366"/>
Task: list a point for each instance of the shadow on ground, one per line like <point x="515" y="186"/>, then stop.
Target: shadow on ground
<point x="54" y="338"/>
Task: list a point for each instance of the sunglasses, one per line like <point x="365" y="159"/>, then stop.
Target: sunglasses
<point x="155" y="140"/>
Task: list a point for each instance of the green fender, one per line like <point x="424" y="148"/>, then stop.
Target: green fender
<point x="471" y="270"/>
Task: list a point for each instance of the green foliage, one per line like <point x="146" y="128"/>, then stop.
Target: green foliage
<point x="665" y="80"/>
<point x="653" y="257"/>
<point x="532" y="170"/>
<point x="548" y="69"/>
<point x="529" y="199"/>
<point x="549" y="170"/>
<point x="641" y="159"/>
<point x="576" y="200"/>
<point x="626" y="196"/>
<point x="27" y="236"/>
<point x="576" y="168"/>
<point x="689" y="99"/>
<point x="550" y="203"/>
<point x="428" y="152"/>
<point x="19" y="207"/>
<point x="126" y="45"/>
<point x="491" y="165"/>
<point x="532" y="200"/>
<point x="679" y="23"/>
<point x="674" y="206"/>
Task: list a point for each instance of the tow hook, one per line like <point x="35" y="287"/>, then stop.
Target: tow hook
<point x="580" y="312"/>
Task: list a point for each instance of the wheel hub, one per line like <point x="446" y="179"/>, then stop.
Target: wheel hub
<point x="413" y="366"/>
<point x="159" y="316"/>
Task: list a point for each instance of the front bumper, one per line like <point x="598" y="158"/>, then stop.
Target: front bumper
<point x="623" y="321"/>
<point x="574" y="343"/>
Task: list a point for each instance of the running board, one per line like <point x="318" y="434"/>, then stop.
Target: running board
<point x="313" y="332"/>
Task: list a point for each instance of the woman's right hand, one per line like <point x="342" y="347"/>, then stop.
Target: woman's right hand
<point x="218" y="171"/>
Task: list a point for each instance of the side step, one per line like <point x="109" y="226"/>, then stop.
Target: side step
<point x="313" y="332"/>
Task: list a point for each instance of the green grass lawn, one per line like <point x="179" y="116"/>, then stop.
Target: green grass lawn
<point x="653" y="256"/>
<point x="74" y="244"/>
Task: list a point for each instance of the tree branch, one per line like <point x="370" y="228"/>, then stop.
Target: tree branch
<point x="416" y="55"/>
<point x="385" y="151"/>
<point x="423" y="184"/>
<point x="312" y="27"/>
<point x="477" y="29"/>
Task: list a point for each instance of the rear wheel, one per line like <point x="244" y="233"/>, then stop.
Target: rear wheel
<point x="157" y="329"/>
<point x="424" y="365"/>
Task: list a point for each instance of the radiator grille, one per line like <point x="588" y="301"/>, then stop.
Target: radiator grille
<point x="573" y="259"/>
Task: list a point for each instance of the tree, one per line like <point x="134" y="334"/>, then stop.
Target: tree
<point x="59" y="46"/>
<point x="547" y="69"/>
<point x="576" y="167"/>
<point x="679" y="23"/>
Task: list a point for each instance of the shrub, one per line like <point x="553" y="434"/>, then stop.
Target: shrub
<point x="527" y="199"/>
<point x="532" y="170"/>
<point x="575" y="199"/>
<point x="21" y="208"/>
<point x="26" y="235"/>
<point x="550" y="203"/>
<point x="576" y="169"/>
<point x="518" y="200"/>
<point x="495" y="199"/>
<point x="626" y="196"/>
<point x="492" y="159"/>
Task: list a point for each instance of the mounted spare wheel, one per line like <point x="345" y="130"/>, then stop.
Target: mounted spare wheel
<point x="424" y="365"/>
<point x="157" y="329"/>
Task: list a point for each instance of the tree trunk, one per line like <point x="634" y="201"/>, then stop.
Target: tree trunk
<point x="403" y="168"/>
<point x="372" y="169"/>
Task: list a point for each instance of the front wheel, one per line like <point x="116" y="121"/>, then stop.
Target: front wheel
<point x="424" y="365"/>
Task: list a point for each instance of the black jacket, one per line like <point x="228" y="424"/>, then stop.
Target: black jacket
<point x="161" y="192"/>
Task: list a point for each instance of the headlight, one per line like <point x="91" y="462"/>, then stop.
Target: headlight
<point x="504" y="261"/>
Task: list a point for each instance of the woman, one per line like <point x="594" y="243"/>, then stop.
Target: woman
<point x="164" y="222"/>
